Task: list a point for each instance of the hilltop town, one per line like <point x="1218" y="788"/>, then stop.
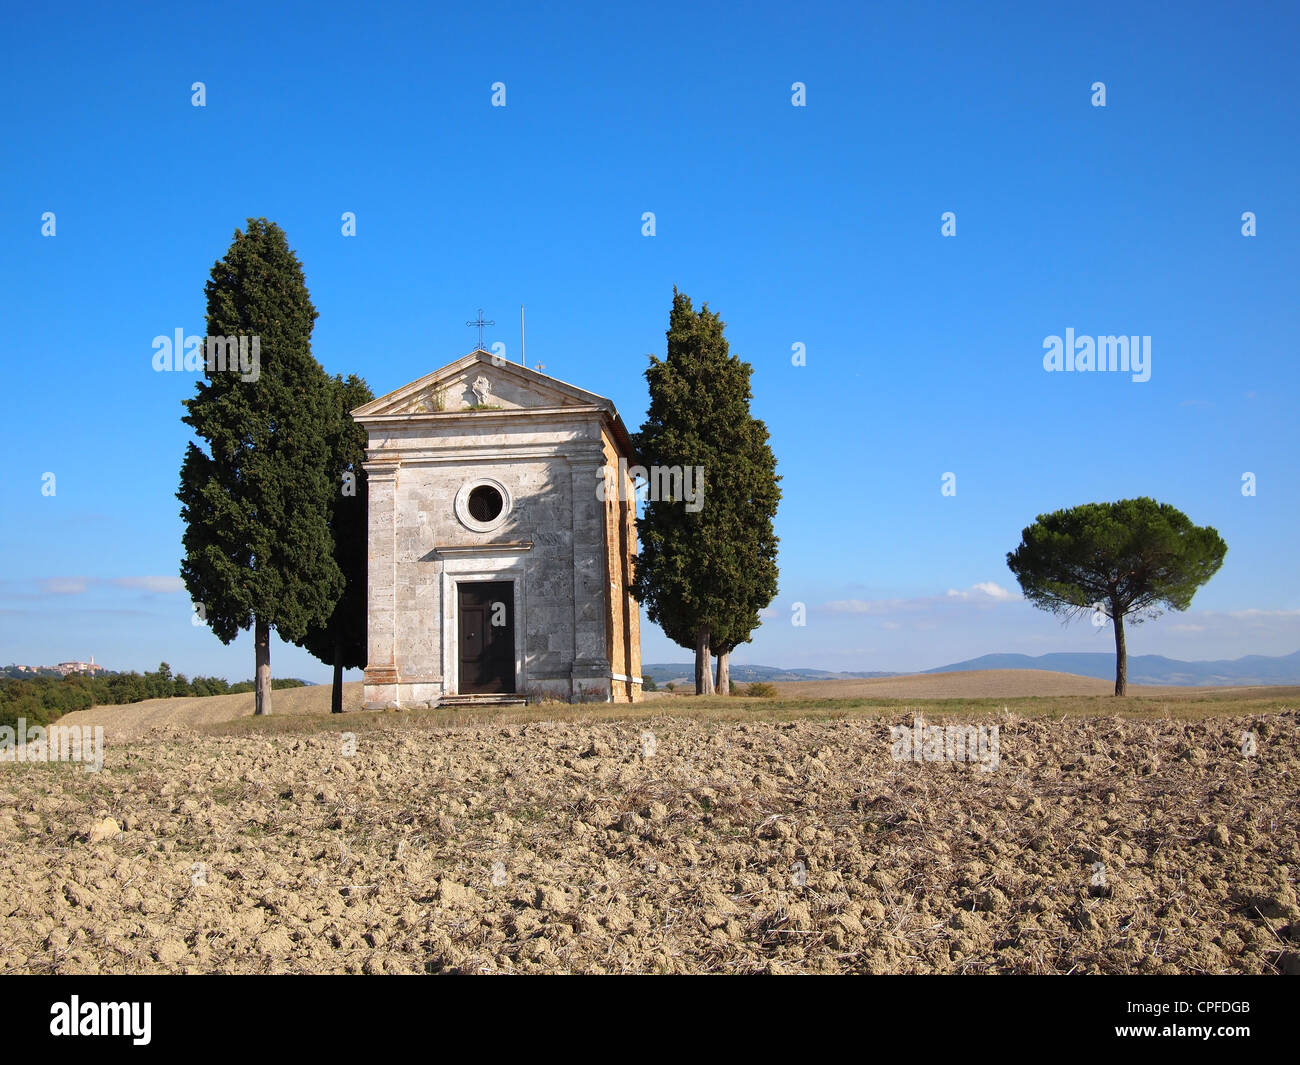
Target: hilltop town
<point x="63" y="669"/>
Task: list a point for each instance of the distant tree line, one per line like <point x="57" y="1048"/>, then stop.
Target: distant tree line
<point x="41" y="700"/>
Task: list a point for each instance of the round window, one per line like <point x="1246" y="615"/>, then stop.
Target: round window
<point x="485" y="503"/>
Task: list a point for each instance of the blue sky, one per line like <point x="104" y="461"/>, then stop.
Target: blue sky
<point x="815" y="225"/>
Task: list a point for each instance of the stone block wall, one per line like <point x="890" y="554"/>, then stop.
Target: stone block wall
<point x="555" y="542"/>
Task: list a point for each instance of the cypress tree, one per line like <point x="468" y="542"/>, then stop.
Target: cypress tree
<point x="341" y="640"/>
<point x="704" y="574"/>
<point x="256" y="502"/>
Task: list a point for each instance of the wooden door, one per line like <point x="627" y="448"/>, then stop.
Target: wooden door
<point x="486" y="637"/>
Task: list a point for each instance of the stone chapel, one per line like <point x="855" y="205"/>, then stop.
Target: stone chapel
<point x="499" y="566"/>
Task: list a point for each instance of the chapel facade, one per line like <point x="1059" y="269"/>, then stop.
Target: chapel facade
<point x="502" y="533"/>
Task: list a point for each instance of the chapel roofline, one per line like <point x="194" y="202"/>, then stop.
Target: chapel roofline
<point x="381" y="409"/>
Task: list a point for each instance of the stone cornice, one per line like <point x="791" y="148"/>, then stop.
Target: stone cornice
<point x="511" y="547"/>
<point x="583" y="453"/>
<point x="479" y="414"/>
<point x="382" y="466"/>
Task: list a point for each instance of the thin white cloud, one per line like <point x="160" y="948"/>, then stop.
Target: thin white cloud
<point x="984" y="590"/>
<point x="160" y="585"/>
<point x="1252" y="614"/>
<point x="50" y="586"/>
<point x="65" y="585"/>
<point x="854" y="606"/>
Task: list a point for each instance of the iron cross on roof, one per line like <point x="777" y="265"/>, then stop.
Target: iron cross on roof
<point x="480" y="323"/>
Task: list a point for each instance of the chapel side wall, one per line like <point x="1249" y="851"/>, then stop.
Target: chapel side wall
<point x="623" y="615"/>
<point x="632" y="628"/>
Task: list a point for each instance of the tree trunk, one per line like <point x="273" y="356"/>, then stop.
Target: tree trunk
<point x="262" y="658"/>
<point x="1121" y="653"/>
<point x="336" y="694"/>
<point x="703" y="675"/>
<point x="723" y="685"/>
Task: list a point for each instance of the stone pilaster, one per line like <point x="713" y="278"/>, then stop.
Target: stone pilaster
<point x="590" y="582"/>
<point x="381" y="585"/>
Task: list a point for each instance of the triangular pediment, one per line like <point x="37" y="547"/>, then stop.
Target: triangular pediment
<point x="476" y="381"/>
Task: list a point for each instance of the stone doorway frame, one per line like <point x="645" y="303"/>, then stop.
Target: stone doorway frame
<point x="469" y="565"/>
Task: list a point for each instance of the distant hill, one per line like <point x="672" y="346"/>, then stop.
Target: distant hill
<point x="1142" y="669"/>
<point x="662" y="672"/>
<point x="1148" y="669"/>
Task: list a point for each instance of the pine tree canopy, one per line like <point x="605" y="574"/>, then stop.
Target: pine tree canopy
<point x="1138" y="554"/>
<point x="1116" y="559"/>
